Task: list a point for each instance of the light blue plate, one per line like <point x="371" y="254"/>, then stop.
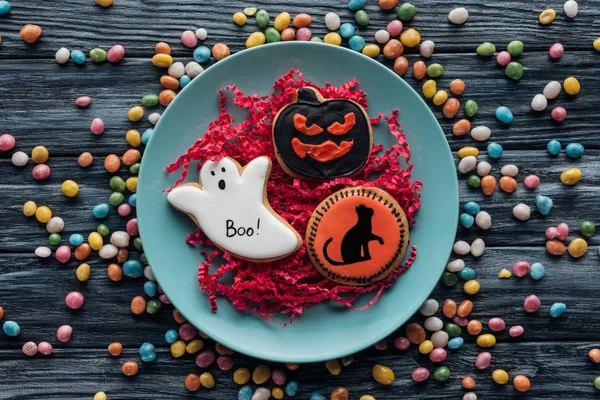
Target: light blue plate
<point x="327" y="331"/>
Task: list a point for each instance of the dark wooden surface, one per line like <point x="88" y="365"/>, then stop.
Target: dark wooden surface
<point x="37" y="107"/>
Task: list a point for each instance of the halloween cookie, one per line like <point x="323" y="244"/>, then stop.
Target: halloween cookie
<point x="316" y="138"/>
<point x="357" y="236"/>
<point x="230" y="205"/>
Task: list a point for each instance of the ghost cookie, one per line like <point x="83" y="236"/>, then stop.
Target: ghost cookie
<point x="357" y="236"/>
<point x="316" y="138"/>
<point x="230" y="205"/>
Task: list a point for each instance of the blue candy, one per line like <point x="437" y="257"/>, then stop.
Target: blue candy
<point x="466" y="220"/>
<point x="146" y="349"/>
<point x="472" y="208"/>
<point x="574" y="150"/>
<point x="557" y="309"/>
<point x="132" y="200"/>
<point x="78" y="56"/>
<point x="11" y="328"/>
<point x="148" y="358"/>
<point x="553" y="147"/>
<point x="171" y="336"/>
<point x="150" y="288"/>
<point x="466" y="273"/>
<point x="201" y="54"/>
<point x="184" y="80"/>
<point x="537" y="271"/>
<point x="504" y="114"/>
<point x="347" y="30"/>
<point x="355" y="5"/>
<point x="245" y="393"/>
<point x="356" y="43"/>
<point x="456" y="343"/>
<point x="317" y="396"/>
<point x="133" y="269"/>
<point x="495" y="150"/>
<point x="101" y="210"/>
<point x="544" y="204"/>
<point x="146" y="135"/>
<point x="76" y="239"/>
<point x="291" y="389"/>
<point x="4" y="7"/>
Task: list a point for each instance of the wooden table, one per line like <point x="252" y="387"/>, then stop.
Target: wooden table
<point x="37" y="107"/>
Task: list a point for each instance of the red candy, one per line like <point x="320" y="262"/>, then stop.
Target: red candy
<point x="40" y="172"/>
<point x="115" y="54"/>
<point x="551" y="233"/>
<point x="225" y="363"/>
<point x="420" y="374"/>
<point x="521" y="268"/>
<point x="437" y="355"/>
<point x="63" y="254"/>
<point x="187" y="332"/>
<point x="531" y="181"/>
<point x="563" y="231"/>
<point x="532" y="303"/>
<point x="205" y="359"/>
<point x="74" y="300"/>
<point x="132" y="227"/>
<point x="401" y="343"/>
<point x="7" y="142"/>
<point x="559" y="114"/>
<point x="503" y="58"/>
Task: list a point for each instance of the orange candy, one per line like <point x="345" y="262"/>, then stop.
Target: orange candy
<point x="166" y="97"/>
<point x="115" y="273"/>
<point x="465" y="308"/>
<point x="288" y="34"/>
<point x="594" y="353"/>
<point x="468" y="383"/>
<point x="1" y="312"/>
<point x="130" y="368"/>
<point x="508" y="184"/>
<point x="340" y="393"/>
<point x="192" y="382"/>
<point x="30" y="33"/>
<point x="419" y="70"/>
<point x="400" y="65"/>
<point x="302" y="20"/>
<point x="83" y="251"/>
<point x="177" y="317"/>
<point x="115" y="349"/>
<point x="169" y="82"/>
<point x="387" y="4"/>
<point x="292" y="366"/>
<point x="521" y="383"/>
<point x="415" y="333"/>
<point x="488" y="184"/>
<point x="555" y="247"/>
<point x="85" y="159"/>
<point x="220" y="51"/>
<point x="449" y="308"/>
<point x="393" y="49"/>
<point x="112" y="163"/>
<point x="131" y="156"/>
<point x="457" y="87"/>
<point x="451" y="107"/>
<point x="461" y="127"/>
<point x="138" y="305"/>
<point x="162" y="48"/>
<point x="474" y="327"/>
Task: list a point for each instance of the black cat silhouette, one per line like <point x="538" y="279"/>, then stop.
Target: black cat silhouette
<point x="355" y="244"/>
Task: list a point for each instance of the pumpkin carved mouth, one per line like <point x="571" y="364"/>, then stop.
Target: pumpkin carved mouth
<point x="323" y="152"/>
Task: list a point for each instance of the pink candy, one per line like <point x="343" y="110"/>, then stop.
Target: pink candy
<point x="437" y="355"/>
<point x="460" y="321"/>
<point x="532" y="303"/>
<point x="483" y="360"/>
<point x="516" y="331"/>
<point x="124" y="210"/>
<point x="551" y="233"/>
<point x="30" y="349"/>
<point x="559" y="114"/>
<point x="503" y="58"/>
<point x="45" y="348"/>
<point x="116" y="54"/>
<point x="187" y="332"/>
<point x="83" y="101"/>
<point x="402" y="343"/>
<point x="189" y="39"/>
<point x="40" y="172"/>
<point x="225" y="363"/>
<point x="97" y="126"/>
<point x="63" y="254"/>
<point x="164" y="299"/>
<point x="563" y="231"/>
<point x="521" y="268"/>
<point x="7" y="142"/>
<point x="223" y="350"/>
<point x="420" y="374"/>
<point x="205" y="359"/>
<point x="394" y="28"/>
<point x="531" y="181"/>
<point x="303" y="34"/>
<point x="63" y="333"/>
<point x="278" y="377"/>
<point x="496" y="324"/>
<point x="132" y="227"/>
<point x="74" y="300"/>
<point x="556" y="50"/>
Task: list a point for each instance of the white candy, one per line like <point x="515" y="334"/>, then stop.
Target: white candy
<point x="477" y="247"/>
<point x="120" y="239"/>
<point x="177" y="70"/>
<point x="43" y="252"/>
<point x="429" y="307"/>
<point x="571" y="8"/>
<point x="149" y="274"/>
<point x="458" y="15"/>
<point x="332" y="21"/>
<point x="552" y="90"/>
<point x="261" y="394"/>
<point x="439" y="339"/>
<point x="461" y="248"/>
<point x="382" y="36"/>
<point x="467" y="164"/>
<point x="427" y="48"/>
<point x="483" y="220"/>
<point x="509" y="170"/>
<point x="108" y="251"/>
<point x="484" y="168"/>
<point x="62" y="55"/>
<point x="522" y="212"/>
<point x="433" y="324"/>
<point x="456" y="265"/>
<point x="20" y="159"/>
<point x="153" y="118"/>
<point x="193" y="69"/>
<point x="55" y="225"/>
<point x="539" y="102"/>
<point x="201" y="34"/>
<point x="481" y="133"/>
<point x="470" y="396"/>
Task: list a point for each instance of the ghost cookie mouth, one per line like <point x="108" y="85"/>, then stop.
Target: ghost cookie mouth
<point x="323" y="152"/>
<point x="222" y="184"/>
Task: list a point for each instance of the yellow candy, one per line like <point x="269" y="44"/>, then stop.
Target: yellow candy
<point x="371" y="50"/>
<point x="131" y="184"/>
<point x="104" y="3"/>
<point x="597" y="44"/>
<point x="29" y="208"/>
<point x="240" y="18"/>
<point x="95" y="240"/>
<point x="39" y="154"/>
<point x="577" y="247"/>
<point x="426" y="347"/>
<point x="207" y="380"/>
<point x="333" y="38"/>
<point x="178" y="348"/>
<point x="135" y="113"/>
<point x="500" y="376"/>
<point x="547" y="16"/>
<point x="468" y="151"/>
<point x="43" y="214"/>
<point x="486" y="340"/>
<point x="261" y="374"/>
<point x="194" y="346"/>
<point x="572" y="85"/>
<point x="383" y="375"/>
<point x="100" y="396"/>
<point x="440" y="97"/>
<point x="571" y="176"/>
<point x="367" y="397"/>
<point x="282" y="21"/>
<point x="334" y="367"/>
<point x="162" y="60"/>
<point x="83" y="272"/>
<point x="471" y="287"/>
<point x="410" y="37"/>
<point x="277" y="393"/>
<point x="504" y="273"/>
<point x="70" y="188"/>
<point x="250" y="11"/>
<point x="133" y="137"/>
<point x="241" y="376"/>
<point x="255" y="39"/>
<point x="429" y="88"/>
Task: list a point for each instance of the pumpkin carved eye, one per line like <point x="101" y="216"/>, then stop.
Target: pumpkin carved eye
<point x="341" y="129"/>
<point x="300" y="125"/>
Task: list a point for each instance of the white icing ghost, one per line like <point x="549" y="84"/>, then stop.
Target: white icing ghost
<point x="230" y="206"/>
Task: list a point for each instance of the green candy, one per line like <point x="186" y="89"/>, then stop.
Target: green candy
<point x="486" y="49"/>
<point x="272" y="35"/>
<point x="153" y="306"/>
<point x="597" y="382"/>
<point x="135" y="168"/>
<point x="362" y="18"/>
<point x="515" y="48"/>
<point x="117" y="183"/>
<point x="150" y="100"/>
<point x="435" y="70"/>
<point x="471" y="108"/>
<point x="103" y="230"/>
<point x="514" y="71"/>
<point x="347" y="360"/>
<point x="262" y="19"/>
<point x="137" y="243"/>
<point x="407" y="11"/>
<point x="54" y="239"/>
<point x="316" y="39"/>
<point x="587" y="228"/>
<point x="143" y="259"/>
<point x="98" y="55"/>
<point x="116" y="198"/>
<point x="474" y="181"/>
<point x="442" y="374"/>
<point x="452" y="330"/>
<point x="449" y="278"/>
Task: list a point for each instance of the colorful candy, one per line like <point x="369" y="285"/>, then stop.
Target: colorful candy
<point x="532" y="303"/>
<point x="571" y="176"/>
<point x="500" y="376"/>
<point x="503" y="114"/>
<point x="514" y="70"/>
<point x="383" y="375"/>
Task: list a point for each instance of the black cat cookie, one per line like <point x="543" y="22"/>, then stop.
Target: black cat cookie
<point x="316" y="138"/>
<point x="357" y="236"/>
